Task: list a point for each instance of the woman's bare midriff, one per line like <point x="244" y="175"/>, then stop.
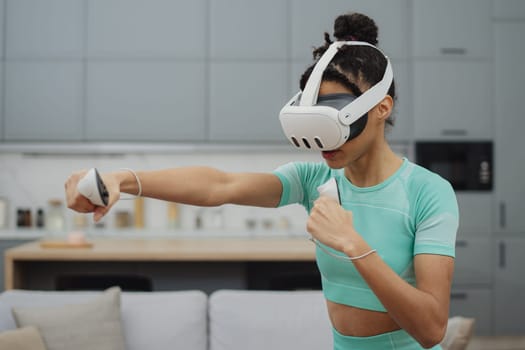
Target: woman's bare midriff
<point x="357" y="322"/>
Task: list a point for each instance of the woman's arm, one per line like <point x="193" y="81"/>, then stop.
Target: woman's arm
<point x="422" y="310"/>
<point x="202" y="186"/>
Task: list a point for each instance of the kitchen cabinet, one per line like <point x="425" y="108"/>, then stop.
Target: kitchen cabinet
<point x="473" y="263"/>
<point x="153" y="29"/>
<point x="475" y="213"/>
<point x="452" y="100"/>
<point x="472" y="288"/>
<point x="249" y="112"/>
<point x="450" y="28"/>
<point x="2" y="116"/>
<point x="145" y="101"/>
<point x="309" y="19"/>
<point x="508" y="109"/>
<point x="475" y="303"/>
<point x="248" y="30"/>
<point x="43" y="70"/>
<point x="43" y="101"/>
<point x="44" y="29"/>
<point x="509" y="285"/>
<point x="508" y="9"/>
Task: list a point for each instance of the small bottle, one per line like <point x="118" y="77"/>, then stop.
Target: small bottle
<point x="28" y="219"/>
<point x="173" y="216"/>
<point x="3" y="213"/>
<point x="40" y="221"/>
<point x="20" y="218"/>
<point x="55" y="215"/>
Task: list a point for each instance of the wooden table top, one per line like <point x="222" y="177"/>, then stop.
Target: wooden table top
<point x="212" y="249"/>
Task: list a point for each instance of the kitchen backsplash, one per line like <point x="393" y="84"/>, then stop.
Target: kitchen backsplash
<point x="30" y="180"/>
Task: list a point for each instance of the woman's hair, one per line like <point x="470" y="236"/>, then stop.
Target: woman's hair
<point x="357" y="63"/>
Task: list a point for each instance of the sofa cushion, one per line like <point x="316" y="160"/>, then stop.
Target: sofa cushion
<point x="27" y="338"/>
<point x="93" y="324"/>
<point x="165" y="320"/>
<point x="151" y="320"/>
<point x="7" y="322"/>
<point x="458" y="334"/>
<point x="261" y="320"/>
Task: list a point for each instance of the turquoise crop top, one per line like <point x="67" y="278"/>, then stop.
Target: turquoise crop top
<point x="413" y="212"/>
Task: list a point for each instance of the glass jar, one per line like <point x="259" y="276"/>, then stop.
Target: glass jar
<point x="55" y="215"/>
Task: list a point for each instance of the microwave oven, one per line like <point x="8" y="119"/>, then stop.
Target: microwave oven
<point x="468" y="166"/>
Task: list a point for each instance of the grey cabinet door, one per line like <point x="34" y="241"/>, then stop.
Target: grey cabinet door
<point x="145" y="101"/>
<point x="43" y="70"/>
<point x="509" y="89"/>
<point x="509" y="286"/>
<point x="452" y="99"/>
<point x="43" y="101"/>
<point x="309" y="19"/>
<point x="473" y="262"/>
<point x="245" y="100"/>
<point x="475" y="303"/>
<point x="450" y="28"/>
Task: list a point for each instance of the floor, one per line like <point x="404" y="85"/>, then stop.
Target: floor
<point x="497" y="343"/>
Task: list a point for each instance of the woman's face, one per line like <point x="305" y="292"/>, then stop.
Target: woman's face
<point x="356" y="148"/>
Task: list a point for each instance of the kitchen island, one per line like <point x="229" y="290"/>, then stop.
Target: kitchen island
<point x="203" y="263"/>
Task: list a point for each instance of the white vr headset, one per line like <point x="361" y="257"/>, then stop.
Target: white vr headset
<point x="315" y="125"/>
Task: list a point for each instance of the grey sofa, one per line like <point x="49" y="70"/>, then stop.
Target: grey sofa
<point x="191" y="320"/>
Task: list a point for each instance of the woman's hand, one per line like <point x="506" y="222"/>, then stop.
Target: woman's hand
<point x="81" y="204"/>
<point x="333" y="226"/>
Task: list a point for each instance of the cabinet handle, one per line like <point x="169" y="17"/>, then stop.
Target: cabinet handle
<point x="453" y="50"/>
<point x="502" y="215"/>
<point x="502" y="255"/>
<point x="459" y="296"/>
<point x="454" y="132"/>
<point x="461" y="244"/>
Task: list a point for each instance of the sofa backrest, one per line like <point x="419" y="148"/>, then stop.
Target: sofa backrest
<point x="261" y="320"/>
<point x="152" y="321"/>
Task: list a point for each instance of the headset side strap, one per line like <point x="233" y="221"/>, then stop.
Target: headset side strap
<point x="371" y="97"/>
<point x="311" y="90"/>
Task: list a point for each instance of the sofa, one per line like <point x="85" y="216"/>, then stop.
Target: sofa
<point x="165" y="320"/>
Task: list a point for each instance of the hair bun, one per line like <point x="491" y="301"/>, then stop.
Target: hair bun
<point x="355" y="26"/>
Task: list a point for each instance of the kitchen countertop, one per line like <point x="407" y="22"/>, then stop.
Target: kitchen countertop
<point x="105" y="250"/>
<point x="183" y="249"/>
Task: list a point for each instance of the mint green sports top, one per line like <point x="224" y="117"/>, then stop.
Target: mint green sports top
<point x="413" y="212"/>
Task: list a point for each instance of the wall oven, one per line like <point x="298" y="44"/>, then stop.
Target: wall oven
<point x="468" y="166"/>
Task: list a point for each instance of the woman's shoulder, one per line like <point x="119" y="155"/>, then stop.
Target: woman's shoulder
<point x="421" y="177"/>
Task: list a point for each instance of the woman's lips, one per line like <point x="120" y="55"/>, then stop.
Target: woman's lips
<point x="329" y="154"/>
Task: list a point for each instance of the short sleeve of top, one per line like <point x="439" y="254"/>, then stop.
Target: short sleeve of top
<point x="427" y="201"/>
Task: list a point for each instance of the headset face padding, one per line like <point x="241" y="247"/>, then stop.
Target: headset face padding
<point x="339" y="101"/>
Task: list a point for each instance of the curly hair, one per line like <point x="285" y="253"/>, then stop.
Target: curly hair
<point x="358" y="63"/>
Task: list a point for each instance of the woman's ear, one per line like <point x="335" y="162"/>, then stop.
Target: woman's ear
<point x="384" y="108"/>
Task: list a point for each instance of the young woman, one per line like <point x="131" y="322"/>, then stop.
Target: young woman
<point x="386" y="253"/>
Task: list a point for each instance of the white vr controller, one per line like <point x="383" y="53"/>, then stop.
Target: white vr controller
<point x="92" y="187"/>
<point x="330" y="189"/>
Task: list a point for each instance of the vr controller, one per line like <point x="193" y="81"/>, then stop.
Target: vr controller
<point x="330" y="189"/>
<point x="93" y="188"/>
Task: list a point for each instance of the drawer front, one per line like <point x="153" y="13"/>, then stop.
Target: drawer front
<point x="473" y="261"/>
<point x="474" y="303"/>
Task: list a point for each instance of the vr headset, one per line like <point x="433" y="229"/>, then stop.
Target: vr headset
<point x="328" y="122"/>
